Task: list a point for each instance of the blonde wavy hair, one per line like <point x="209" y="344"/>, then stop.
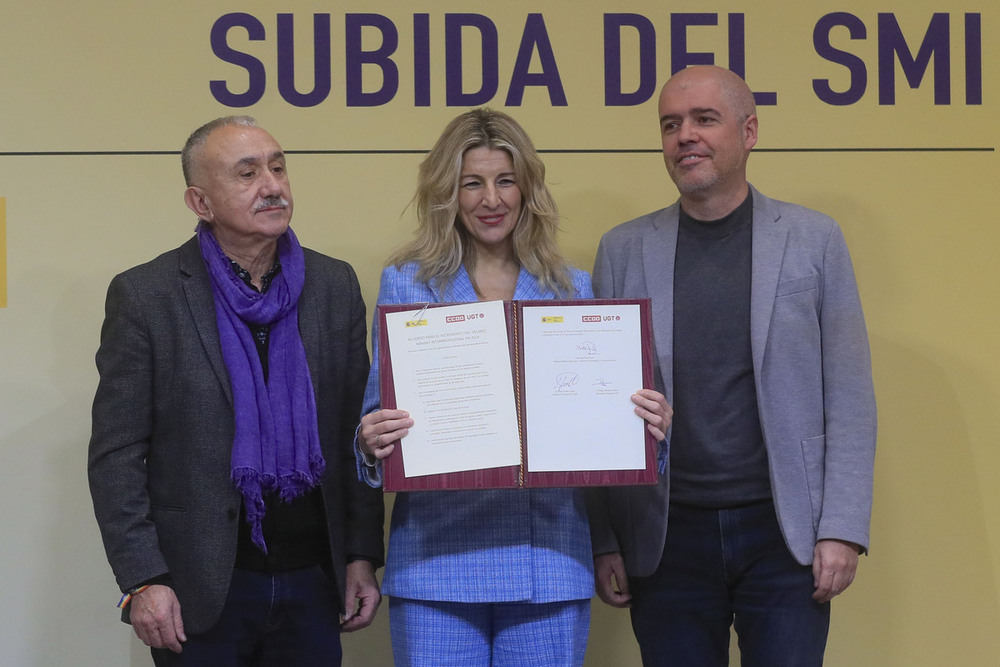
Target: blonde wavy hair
<point x="441" y="244"/>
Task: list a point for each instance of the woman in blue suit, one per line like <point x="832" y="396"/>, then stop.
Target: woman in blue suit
<point x="494" y="577"/>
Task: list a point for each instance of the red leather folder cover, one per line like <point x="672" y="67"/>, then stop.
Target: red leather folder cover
<point x="517" y="476"/>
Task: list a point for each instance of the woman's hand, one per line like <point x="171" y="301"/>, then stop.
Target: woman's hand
<point x="653" y="407"/>
<point x="380" y="429"/>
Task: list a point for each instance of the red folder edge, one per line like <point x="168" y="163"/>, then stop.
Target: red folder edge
<point x="394" y="473"/>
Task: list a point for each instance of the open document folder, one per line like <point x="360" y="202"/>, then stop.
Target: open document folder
<point x="518" y="393"/>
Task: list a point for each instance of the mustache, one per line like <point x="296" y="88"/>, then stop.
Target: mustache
<point x="268" y="202"/>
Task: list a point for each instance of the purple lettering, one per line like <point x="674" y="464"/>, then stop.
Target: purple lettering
<point x="453" y="27"/>
<point x="535" y="36"/>
<point x="855" y="65"/>
<point x="357" y="58"/>
<point x="973" y="59"/>
<point x="892" y="44"/>
<point x="321" y="61"/>
<point x="421" y="60"/>
<point x="613" y="94"/>
<point x="680" y="57"/>
<point x="255" y="69"/>
<point x="738" y="56"/>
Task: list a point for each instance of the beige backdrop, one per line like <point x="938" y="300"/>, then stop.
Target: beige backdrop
<point x="80" y="81"/>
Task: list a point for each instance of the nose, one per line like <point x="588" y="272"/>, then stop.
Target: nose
<point x="271" y="184"/>
<point x="686" y="133"/>
<point x="491" y="195"/>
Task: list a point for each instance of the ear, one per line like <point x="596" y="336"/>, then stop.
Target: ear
<point x="197" y="200"/>
<point x="750" y="132"/>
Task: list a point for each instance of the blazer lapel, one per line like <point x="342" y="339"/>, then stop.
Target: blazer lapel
<point x="460" y="290"/>
<point x="659" y="249"/>
<point x="527" y="287"/>
<point x="769" y="237"/>
<point x="198" y="292"/>
<point x="310" y="308"/>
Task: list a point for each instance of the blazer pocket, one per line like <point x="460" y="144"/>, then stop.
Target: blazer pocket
<point x="797" y="285"/>
<point x="170" y="519"/>
<point x="814" y="458"/>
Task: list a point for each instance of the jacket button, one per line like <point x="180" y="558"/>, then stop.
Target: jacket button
<point x="232" y="514"/>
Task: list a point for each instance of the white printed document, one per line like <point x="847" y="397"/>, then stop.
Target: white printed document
<point x="518" y="393"/>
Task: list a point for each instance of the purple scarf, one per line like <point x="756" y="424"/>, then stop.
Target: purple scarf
<point x="276" y="446"/>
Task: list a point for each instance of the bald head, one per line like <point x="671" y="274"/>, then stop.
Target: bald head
<point x="735" y="91"/>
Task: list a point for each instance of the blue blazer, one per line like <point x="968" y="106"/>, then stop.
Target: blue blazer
<point x="812" y="370"/>
<point x="511" y="545"/>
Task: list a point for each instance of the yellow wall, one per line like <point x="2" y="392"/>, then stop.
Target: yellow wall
<point x="3" y="252"/>
<point x="82" y="82"/>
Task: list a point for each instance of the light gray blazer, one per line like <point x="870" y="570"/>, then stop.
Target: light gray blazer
<point x="812" y="369"/>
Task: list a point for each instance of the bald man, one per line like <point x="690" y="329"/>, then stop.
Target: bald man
<point x="761" y="349"/>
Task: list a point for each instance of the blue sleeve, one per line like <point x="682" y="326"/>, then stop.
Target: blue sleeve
<point x="581" y="284"/>
<point x="372" y="475"/>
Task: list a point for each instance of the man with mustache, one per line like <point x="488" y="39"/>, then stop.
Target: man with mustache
<point x="221" y="460"/>
<point x="761" y="349"/>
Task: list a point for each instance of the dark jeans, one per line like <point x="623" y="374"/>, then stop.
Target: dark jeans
<point x="285" y="619"/>
<point x="722" y="568"/>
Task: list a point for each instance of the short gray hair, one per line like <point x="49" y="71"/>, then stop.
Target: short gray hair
<point x="198" y="138"/>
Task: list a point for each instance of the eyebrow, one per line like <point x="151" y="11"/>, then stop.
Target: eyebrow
<point x="694" y="112"/>
<point x="252" y="160"/>
<point x="502" y="173"/>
